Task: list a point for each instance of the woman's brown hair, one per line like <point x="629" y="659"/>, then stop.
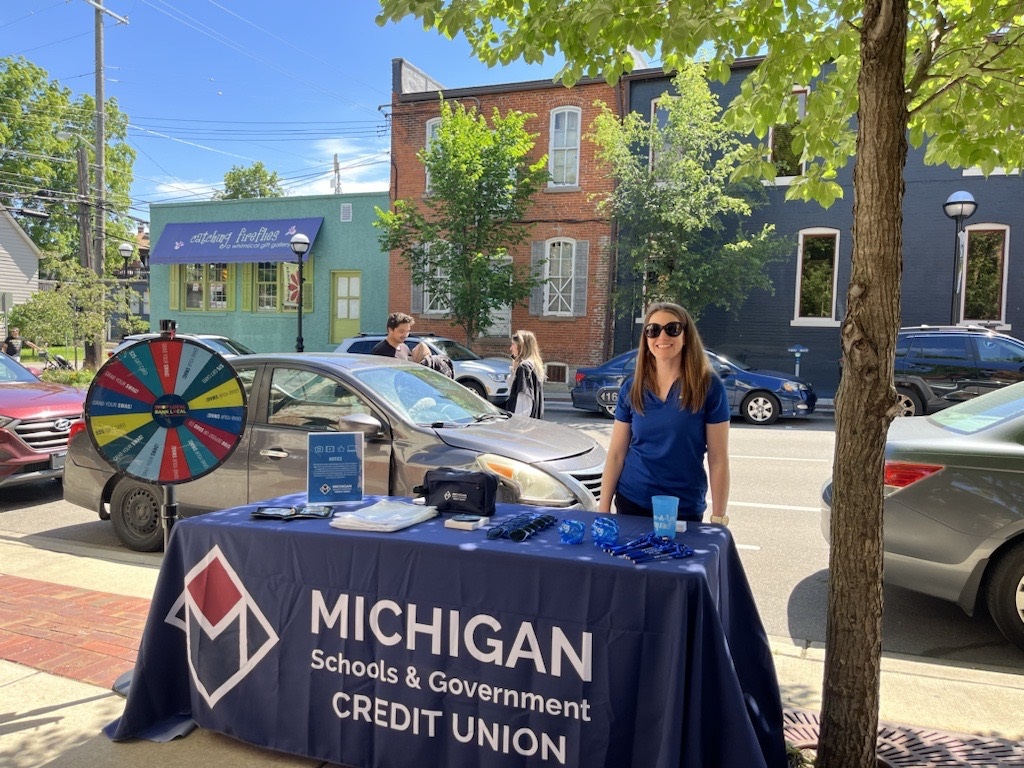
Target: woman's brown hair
<point x="695" y="371"/>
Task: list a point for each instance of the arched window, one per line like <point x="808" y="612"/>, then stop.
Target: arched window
<point x="564" y="147"/>
<point x="433" y="124"/>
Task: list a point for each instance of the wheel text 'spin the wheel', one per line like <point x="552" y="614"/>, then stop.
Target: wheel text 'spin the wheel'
<point x="165" y="411"/>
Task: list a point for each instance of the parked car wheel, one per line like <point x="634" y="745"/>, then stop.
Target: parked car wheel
<point x="909" y="402"/>
<point x="474" y="386"/>
<point x="135" y="513"/>
<point x="761" y="408"/>
<point x="1005" y="595"/>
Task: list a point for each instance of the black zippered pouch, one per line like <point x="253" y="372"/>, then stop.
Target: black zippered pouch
<point x="460" y="490"/>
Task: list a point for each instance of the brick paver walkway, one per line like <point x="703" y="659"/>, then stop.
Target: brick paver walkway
<point x="77" y="633"/>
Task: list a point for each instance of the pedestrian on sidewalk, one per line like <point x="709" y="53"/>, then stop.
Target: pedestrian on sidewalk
<point x="399" y="326"/>
<point x="526" y="395"/>
<point x="440" y="362"/>
<point x="13" y="344"/>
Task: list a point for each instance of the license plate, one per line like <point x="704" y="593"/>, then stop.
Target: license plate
<point x="57" y="461"/>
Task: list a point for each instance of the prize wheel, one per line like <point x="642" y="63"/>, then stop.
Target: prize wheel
<point x="165" y="411"/>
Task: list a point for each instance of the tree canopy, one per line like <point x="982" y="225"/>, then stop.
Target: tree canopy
<point x="39" y="170"/>
<point x="948" y="74"/>
<point x="457" y="240"/>
<point x="681" y="232"/>
<point x="247" y="182"/>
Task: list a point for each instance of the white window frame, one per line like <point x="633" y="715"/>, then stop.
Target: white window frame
<point x="827" y="322"/>
<point x="554" y="150"/>
<point x="801" y="92"/>
<point x="559" y="293"/>
<point x="432" y="304"/>
<point x="430" y="130"/>
<point x="986" y="227"/>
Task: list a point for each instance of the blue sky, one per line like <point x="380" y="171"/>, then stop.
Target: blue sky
<point x="209" y="84"/>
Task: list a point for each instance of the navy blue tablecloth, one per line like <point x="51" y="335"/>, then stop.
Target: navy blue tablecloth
<point x="436" y="647"/>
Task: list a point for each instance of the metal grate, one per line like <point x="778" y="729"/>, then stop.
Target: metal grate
<point x="591" y="481"/>
<point x="45" y="435"/>
<point x="902" y="746"/>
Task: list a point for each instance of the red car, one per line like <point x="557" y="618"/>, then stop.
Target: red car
<point x="35" y="420"/>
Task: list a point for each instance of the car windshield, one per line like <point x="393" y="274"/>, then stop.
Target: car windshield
<point x="227" y="346"/>
<point x="983" y="412"/>
<point x="427" y="397"/>
<point x="454" y="350"/>
<point x="11" y="371"/>
<point x="731" y="361"/>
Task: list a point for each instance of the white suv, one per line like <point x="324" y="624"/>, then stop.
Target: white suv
<point x="487" y="376"/>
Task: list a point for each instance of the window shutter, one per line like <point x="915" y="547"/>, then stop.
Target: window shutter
<point x="537" y="271"/>
<point x="416" y="300"/>
<point x="579" y="279"/>
<point x="174" y="287"/>
<point x="307" y="286"/>
<point x="247" y="287"/>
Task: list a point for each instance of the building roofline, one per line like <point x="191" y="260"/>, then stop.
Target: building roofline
<point x="21" y="232"/>
<point x="400" y="65"/>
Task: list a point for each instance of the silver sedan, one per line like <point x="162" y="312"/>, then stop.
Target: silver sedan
<point x="413" y="419"/>
<point x="954" y="506"/>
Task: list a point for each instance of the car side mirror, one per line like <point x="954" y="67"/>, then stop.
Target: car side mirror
<point x="368" y="425"/>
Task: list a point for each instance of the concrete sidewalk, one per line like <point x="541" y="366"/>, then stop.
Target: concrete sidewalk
<point x="70" y="622"/>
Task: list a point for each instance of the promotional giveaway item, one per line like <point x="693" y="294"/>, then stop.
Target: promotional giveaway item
<point x="460" y="490"/>
<point x="665" y="512"/>
<point x="571" y="531"/>
<point x="384" y="515"/>
<point x="334" y="471"/>
<point x="605" y="531"/>
<point x="521" y="527"/>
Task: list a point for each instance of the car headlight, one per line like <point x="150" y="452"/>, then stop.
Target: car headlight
<point x="531" y="484"/>
<point x="498" y="376"/>
<point x="793" y="386"/>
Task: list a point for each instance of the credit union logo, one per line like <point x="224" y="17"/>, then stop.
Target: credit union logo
<point x="226" y="633"/>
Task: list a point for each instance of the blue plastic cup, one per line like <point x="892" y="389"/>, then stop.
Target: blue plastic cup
<point x="666" y="509"/>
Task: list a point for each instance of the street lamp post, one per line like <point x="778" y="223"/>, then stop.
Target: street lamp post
<point x="300" y="246"/>
<point x="126" y="250"/>
<point x="959" y="206"/>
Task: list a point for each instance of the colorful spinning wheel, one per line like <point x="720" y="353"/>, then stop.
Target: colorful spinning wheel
<point x="165" y="411"/>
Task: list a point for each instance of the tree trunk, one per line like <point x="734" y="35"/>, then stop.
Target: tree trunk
<point x="866" y="400"/>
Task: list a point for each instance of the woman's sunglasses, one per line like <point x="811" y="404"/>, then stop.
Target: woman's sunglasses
<point x="673" y="329"/>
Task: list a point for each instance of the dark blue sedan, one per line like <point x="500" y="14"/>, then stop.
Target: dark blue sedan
<point x="760" y="397"/>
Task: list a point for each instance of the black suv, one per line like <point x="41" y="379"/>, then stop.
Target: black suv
<point x="939" y="366"/>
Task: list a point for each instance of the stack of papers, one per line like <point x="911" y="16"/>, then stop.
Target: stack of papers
<point x="384" y="515"/>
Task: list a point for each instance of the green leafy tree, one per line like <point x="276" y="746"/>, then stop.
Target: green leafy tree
<point x="936" y="70"/>
<point x="247" y="182"/>
<point x="73" y="313"/>
<point x="681" y="219"/>
<point x="39" y="169"/>
<point x="455" y="241"/>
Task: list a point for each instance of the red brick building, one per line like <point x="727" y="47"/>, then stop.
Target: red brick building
<point x="571" y="313"/>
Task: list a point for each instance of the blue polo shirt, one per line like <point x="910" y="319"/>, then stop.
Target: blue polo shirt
<point x="667" y="446"/>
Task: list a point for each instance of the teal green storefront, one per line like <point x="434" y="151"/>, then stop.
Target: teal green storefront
<point x="226" y="267"/>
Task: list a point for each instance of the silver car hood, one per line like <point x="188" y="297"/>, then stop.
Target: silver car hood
<point x="485" y="365"/>
<point x="520" y="437"/>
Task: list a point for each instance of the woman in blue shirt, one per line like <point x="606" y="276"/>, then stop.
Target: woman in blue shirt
<point x="671" y="412"/>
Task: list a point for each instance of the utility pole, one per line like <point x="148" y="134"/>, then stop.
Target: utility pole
<point x="85" y="249"/>
<point x="94" y="351"/>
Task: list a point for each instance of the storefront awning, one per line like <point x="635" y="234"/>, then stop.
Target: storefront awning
<point x="232" y="241"/>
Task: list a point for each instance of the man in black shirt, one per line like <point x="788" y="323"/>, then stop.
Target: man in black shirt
<point x="14" y="343"/>
<point x="399" y="325"/>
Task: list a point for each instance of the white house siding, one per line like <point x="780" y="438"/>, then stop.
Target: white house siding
<point x="19" y="260"/>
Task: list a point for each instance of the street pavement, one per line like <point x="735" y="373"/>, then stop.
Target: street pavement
<point x="71" y="619"/>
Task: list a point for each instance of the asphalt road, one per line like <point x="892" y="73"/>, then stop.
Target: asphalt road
<point x="777" y="473"/>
